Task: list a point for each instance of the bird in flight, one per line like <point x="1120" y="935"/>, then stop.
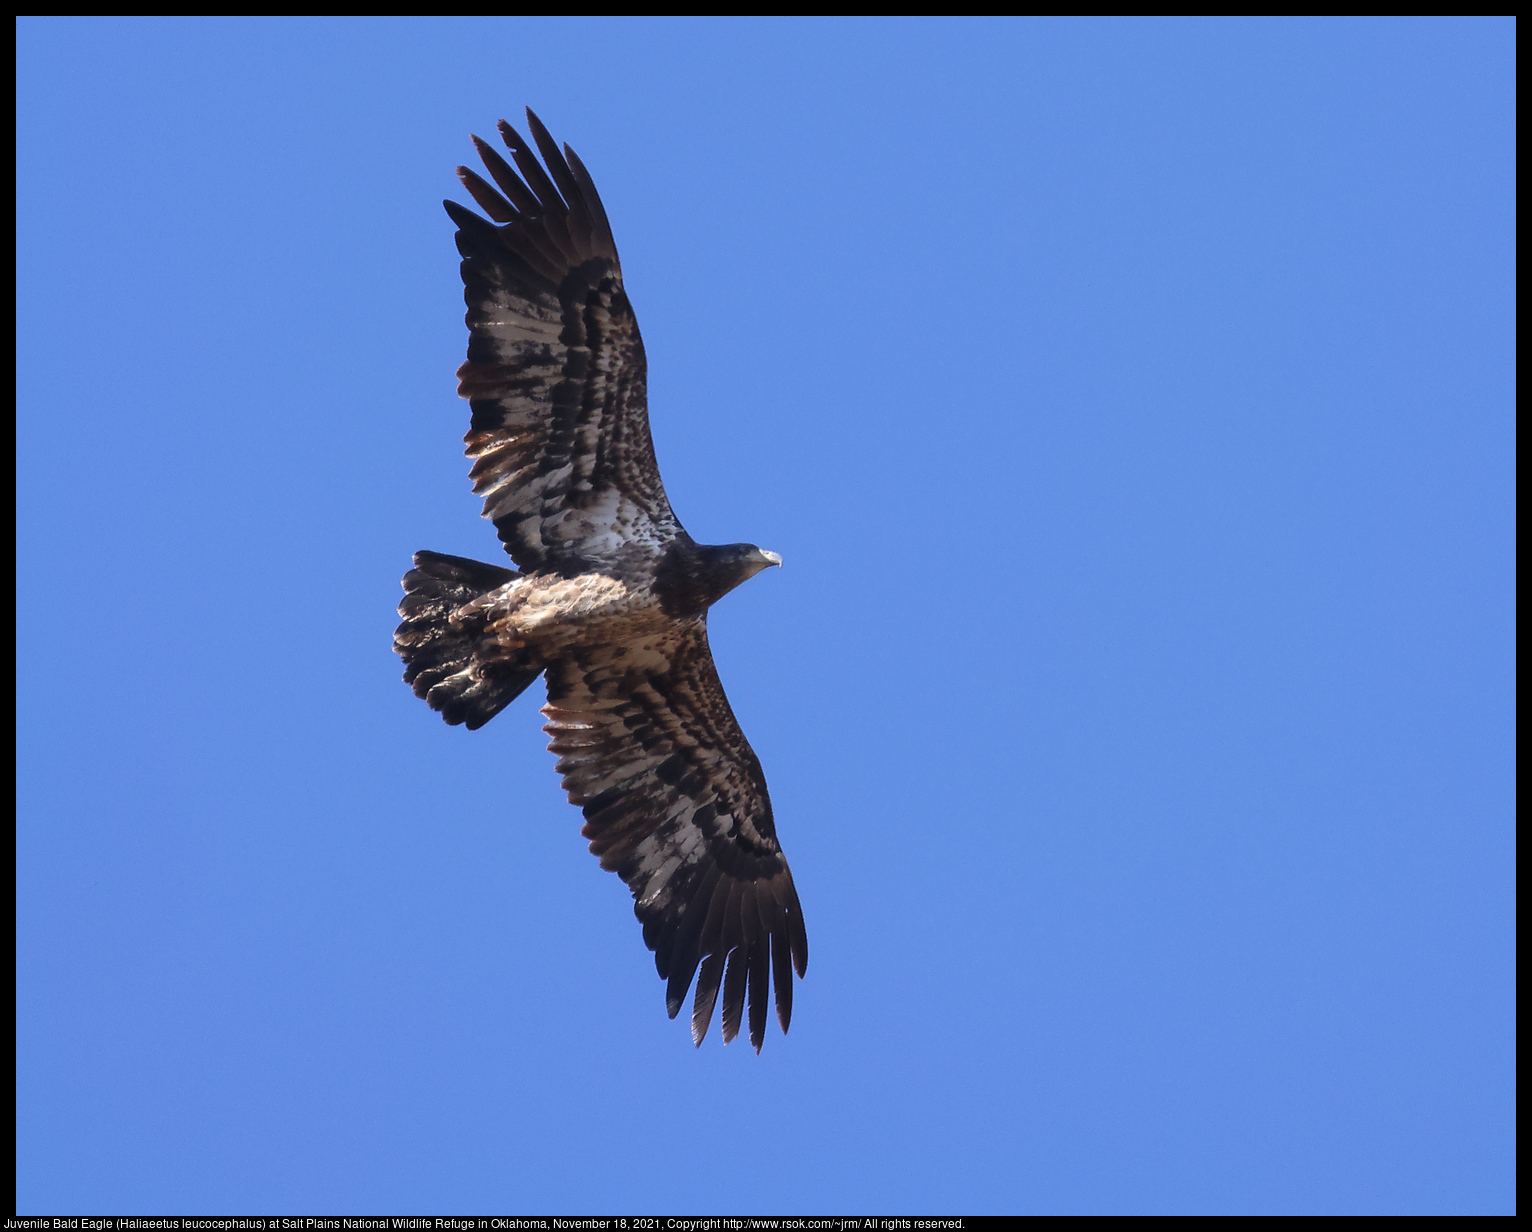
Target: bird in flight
<point x="609" y="598"/>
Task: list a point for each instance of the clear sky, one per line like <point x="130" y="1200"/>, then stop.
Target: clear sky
<point x="1131" y="401"/>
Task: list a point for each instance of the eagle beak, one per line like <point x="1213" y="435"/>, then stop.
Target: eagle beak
<point x="757" y="559"/>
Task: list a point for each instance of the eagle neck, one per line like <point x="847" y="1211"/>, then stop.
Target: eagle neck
<point x="692" y="576"/>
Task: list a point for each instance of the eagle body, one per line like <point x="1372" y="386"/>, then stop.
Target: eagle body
<point x="609" y="600"/>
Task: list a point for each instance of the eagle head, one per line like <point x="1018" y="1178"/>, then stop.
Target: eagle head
<point x="752" y="558"/>
<point x="694" y="576"/>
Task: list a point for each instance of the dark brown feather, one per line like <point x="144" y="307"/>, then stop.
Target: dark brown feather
<point x="707" y="996"/>
<point x="554" y="211"/>
<point x="733" y="994"/>
<point x="760" y="996"/>
<point x="578" y="218"/>
<point x="531" y="170"/>
<point x="510" y="183"/>
<point x="601" y="238"/>
<point x="685" y="953"/>
<point x="489" y="200"/>
<point x="782" y="978"/>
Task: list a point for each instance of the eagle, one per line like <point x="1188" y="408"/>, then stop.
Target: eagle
<point x="608" y="601"/>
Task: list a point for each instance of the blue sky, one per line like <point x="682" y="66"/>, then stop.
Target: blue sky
<point x="1132" y="403"/>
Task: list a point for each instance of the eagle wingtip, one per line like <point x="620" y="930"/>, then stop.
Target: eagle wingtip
<point x="510" y="136"/>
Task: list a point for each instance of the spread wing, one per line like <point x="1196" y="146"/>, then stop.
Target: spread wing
<point x="556" y="371"/>
<point x="675" y="803"/>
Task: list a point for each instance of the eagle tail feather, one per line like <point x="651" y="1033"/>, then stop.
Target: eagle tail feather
<point x="458" y="669"/>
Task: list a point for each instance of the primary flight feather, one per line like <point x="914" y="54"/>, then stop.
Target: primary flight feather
<point x="609" y="601"/>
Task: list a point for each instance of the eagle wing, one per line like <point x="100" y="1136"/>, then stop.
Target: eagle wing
<point x="556" y="371"/>
<point x="676" y="804"/>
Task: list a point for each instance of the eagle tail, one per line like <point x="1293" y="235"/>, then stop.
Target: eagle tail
<point x="459" y="669"/>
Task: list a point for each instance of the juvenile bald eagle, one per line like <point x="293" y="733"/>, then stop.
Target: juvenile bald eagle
<point x="610" y="596"/>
